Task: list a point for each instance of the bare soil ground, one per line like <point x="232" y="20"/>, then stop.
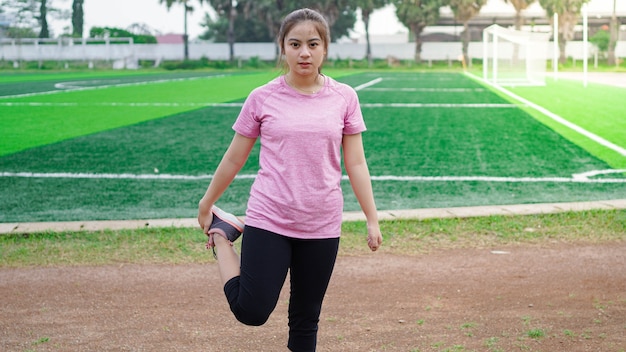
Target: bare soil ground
<point x="555" y="297"/>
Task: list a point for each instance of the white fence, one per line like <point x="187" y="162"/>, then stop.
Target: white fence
<point x="127" y="53"/>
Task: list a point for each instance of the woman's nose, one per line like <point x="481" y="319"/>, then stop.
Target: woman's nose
<point x="305" y="52"/>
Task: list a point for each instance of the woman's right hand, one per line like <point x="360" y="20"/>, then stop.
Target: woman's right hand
<point x="205" y="216"/>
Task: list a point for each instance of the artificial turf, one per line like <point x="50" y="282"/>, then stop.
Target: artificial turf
<point x="451" y="155"/>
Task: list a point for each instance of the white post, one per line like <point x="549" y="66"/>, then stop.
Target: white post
<point x="494" y="76"/>
<point x="585" y="44"/>
<point x="529" y="61"/>
<point x="555" y="49"/>
<point x="485" y="53"/>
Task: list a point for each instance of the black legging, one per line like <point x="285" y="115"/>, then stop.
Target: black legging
<point x="265" y="259"/>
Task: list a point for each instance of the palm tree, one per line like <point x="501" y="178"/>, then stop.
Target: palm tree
<point x="227" y="8"/>
<point x="417" y="15"/>
<point x="188" y="8"/>
<point x="78" y="16"/>
<point x="331" y="9"/>
<point x="43" y="19"/>
<point x="614" y="28"/>
<point x="465" y="10"/>
<point x="567" y="11"/>
<point x="519" y="5"/>
<point x="367" y="7"/>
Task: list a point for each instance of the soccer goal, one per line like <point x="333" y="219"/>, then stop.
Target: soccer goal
<point x="512" y="57"/>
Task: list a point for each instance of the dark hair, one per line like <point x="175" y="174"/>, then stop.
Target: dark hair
<point x="299" y="16"/>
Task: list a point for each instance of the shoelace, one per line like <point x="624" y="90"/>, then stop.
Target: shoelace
<point x="211" y="245"/>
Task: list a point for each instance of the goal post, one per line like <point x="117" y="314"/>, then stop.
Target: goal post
<point x="512" y="57"/>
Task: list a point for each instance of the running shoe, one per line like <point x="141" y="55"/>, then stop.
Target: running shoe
<point x="224" y="224"/>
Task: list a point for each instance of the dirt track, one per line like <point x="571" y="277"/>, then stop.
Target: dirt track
<point x="456" y="300"/>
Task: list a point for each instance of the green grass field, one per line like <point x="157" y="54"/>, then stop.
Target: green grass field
<point x="135" y="146"/>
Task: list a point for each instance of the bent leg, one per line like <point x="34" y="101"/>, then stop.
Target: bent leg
<point x="265" y="258"/>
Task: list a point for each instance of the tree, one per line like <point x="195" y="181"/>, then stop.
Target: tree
<point x="601" y="40"/>
<point x="188" y="8"/>
<point x="25" y="14"/>
<point x="247" y="30"/>
<point x="32" y="14"/>
<point x="229" y="9"/>
<point x="340" y="15"/>
<point x="568" y="12"/>
<point x="519" y="5"/>
<point x="20" y="32"/>
<point x="335" y="11"/>
<point x="78" y="18"/>
<point x="417" y="15"/>
<point x="112" y="32"/>
<point x="367" y="7"/>
<point x="43" y="19"/>
<point x="464" y="11"/>
<point x="343" y="24"/>
<point x="614" y="35"/>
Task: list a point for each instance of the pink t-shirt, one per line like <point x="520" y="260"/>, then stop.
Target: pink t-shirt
<point x="297" y="191"/>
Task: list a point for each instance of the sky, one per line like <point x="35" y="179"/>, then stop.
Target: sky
<point x="123" y="13"/>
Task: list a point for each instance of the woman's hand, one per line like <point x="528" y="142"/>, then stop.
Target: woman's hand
<point x="374" y="237"/>
<point x="205" y="216"/>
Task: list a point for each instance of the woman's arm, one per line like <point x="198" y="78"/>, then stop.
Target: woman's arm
<point x="232" y="161"/>
<point x="358" y="172"/>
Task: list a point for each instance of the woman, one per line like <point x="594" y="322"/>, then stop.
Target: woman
<point x="293" y="219"/>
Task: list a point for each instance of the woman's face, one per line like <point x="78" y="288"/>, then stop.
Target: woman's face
<point x="304" y="49"/>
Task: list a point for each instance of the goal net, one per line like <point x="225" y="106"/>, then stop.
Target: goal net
<point x="512" y="57"/>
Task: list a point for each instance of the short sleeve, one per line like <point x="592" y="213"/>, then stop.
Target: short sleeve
<point x="353" y="121"/>
<point x="248" y="123"/>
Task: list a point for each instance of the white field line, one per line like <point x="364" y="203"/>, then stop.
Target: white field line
<point x="409" y="78"/>
<point x="575" y="178"/>
<point x="435" y="105"/>
<point x="442" y="90"/>
<point x="556" y="118"/>
<point x="125" y="176"/>
<point x="238" y="105"/>
<point x="73" y="87"/>
<point x="368" y="84"/>
<point x="164" y="104"/>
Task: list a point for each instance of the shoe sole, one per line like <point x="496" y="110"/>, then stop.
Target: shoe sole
<point x="229" y="218"/>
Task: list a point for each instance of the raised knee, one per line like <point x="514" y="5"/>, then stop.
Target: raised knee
<point x="253" y="320"/>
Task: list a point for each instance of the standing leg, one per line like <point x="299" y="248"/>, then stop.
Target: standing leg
<point x="311" y="268"/>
